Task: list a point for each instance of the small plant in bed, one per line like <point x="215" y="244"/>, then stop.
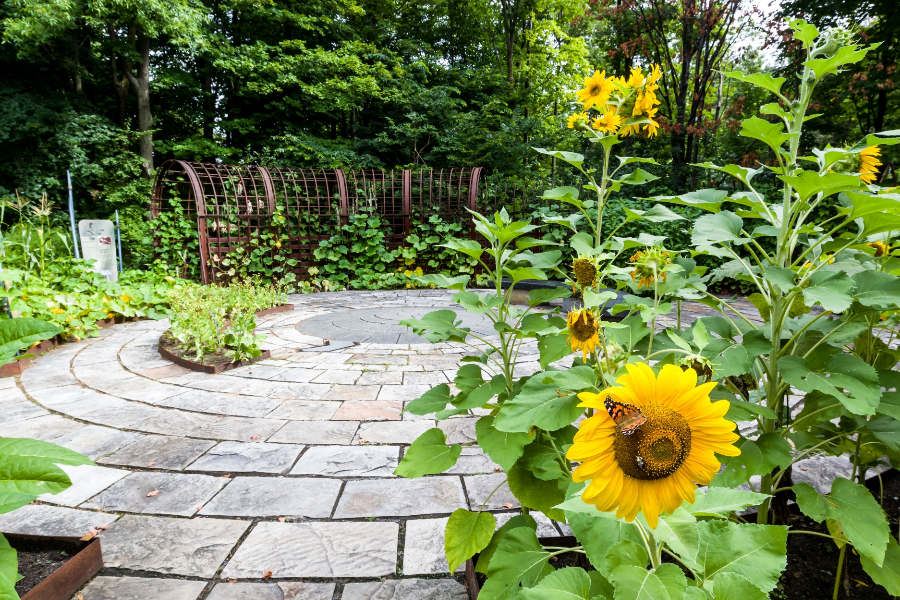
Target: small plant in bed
<point x="215" y="325"/>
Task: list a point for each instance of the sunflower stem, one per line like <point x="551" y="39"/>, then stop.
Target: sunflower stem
<point x="837" y="579"/>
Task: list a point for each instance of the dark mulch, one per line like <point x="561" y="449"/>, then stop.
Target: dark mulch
<point x="39" y="559"/>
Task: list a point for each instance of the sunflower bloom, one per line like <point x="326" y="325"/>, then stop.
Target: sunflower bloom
<point x="597" y="89"/>
<point x="608" y="122"/>
<point x="583" y="328"/>
<point x="869" y="163"/>
<point x="658" y="465"/>
<point x="881" y="248"/>
<point x="585" y="270"/>
<point x="578" y="121"/>
<point x="649" y="265"/>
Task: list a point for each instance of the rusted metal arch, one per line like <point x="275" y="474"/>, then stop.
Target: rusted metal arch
<point x="232" y="203"/>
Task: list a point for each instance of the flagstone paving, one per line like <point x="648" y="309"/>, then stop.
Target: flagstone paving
<point x="238" y="484"/>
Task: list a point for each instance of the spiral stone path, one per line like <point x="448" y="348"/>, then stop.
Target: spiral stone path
<point x="267" y="482"/>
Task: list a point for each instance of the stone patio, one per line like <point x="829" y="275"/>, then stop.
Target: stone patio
<point x="241" y="484"/>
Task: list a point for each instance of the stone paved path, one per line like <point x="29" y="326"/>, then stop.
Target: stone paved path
<point x="267" y="482"/>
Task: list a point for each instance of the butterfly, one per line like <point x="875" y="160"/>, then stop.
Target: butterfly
<point x="628" y="417"/>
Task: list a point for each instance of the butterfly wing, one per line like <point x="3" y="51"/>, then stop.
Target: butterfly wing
<point x="628" y="417"/>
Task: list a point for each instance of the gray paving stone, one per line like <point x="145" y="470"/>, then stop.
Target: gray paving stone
<point x="355" y="549"/>
<point x="545" y="527"/>
<point x="406" y="589"/>
<point x="295" y="375"/>
<point x="304" y="410"/>
<point x="20" y="411"/>
<point x="395" y="393"/>
<point x="348" y="461"/>
<point x="316" y="432"/>
<point x="121" y="413"/>
<point x="284" y="390"/>
<point x="459" y="430"/>
<point x="193" y="547"/>
<point x="393" y="432"/>
<point x="310" y="497"/>
<point x="423" y="552"/>
<point x="400" y="497"/>
<point x="222" y="404"/>
<point x="141" y="588"/>
<point x="821" y="471"/>
<point x="73" y="400"/>
<point x="383" y="378"/>
<point x="272" y="591"/>
<point x="45" y="428"/>
<point x="177" y="422"/>
<point x="54" y="521"/>
<point x="87" y="480"/>
<point x="152" y="393"/>
<point x="431" y="378"/>
<point x="352" y="392"/>
<point x="165" y="452"/>
<point x="94" y="441"/>
<point x="331" y="376"/>
<point x="176" y="494"/>
<point x="480" y="486"/>
<point x="472" y="461"/>
<point x="47" y="373"/>
<point x="253" y="457"/>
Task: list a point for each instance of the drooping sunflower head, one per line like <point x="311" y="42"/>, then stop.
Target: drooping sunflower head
<point x="881" y="248"/>
<point x="597" y="89"/>
<point x="658" y="465"/>
<point x="583" y="328"/>
<point x="649" y="265"/>
<point x="585" y="269"/>
<point x="701" y="365"/>
<point x="608" y="122"/>
<point x="580" y="121"/>
<point x="868" y="164"/>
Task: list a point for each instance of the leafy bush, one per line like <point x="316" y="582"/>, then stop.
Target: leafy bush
<point x="220" y="319"/>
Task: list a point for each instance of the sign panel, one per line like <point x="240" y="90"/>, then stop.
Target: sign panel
<point x="98" y="244"/>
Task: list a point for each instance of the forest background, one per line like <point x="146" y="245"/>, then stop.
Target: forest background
<point x="110" y="89"/>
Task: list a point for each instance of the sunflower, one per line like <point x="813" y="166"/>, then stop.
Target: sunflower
<point x="869" y="163"/>
<point x="597" y="89"/>
<point x="608" y="122"/>
<point x="585" y="270"/>
<point x="649" y="265"/>
<point x="583" y="329"/>
<point x="579" y="121"/>
<point x="657" y="466"/>
<point x="652" y="128"/>
<point x="881" y="248"/>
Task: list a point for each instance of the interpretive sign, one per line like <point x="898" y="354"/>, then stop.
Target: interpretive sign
<point x="97" y="244"/>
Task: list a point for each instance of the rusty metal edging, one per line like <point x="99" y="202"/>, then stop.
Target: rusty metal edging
<point x="474" y="184"/>
<point x="344" y="195"/>
<point x="407" y="201"/>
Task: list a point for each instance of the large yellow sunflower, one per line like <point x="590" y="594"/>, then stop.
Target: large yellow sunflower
<point x="597" y="89"/>
<point x="583" y="328"/>
<point x="659" y="464"/>
<point x="869" y="163"/>
<point x="608" y="122"/>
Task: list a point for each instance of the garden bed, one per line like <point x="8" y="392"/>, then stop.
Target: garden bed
<point x="171" y="350"/>
<point x="54" y="568"/>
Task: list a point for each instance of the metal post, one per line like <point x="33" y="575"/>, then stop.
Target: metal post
<point x="72" y="216"/>
<point x="119" y="241"/>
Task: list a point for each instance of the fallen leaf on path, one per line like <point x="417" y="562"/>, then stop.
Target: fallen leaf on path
<point x="508" y="504"/>
<point x="227" y="476"/>
<point x="497" y="469"/>
<point x="255" y="437"/>
<point x="153" y="493"/>
<point x="103" y="527"/>
<point x="281" y="519"/>
<point x="151" y="463"/>
<point x="267" y="574"/>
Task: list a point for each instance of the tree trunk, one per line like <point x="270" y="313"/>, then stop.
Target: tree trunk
<point x="141" y="84"/>
<point x="121" y="85"/>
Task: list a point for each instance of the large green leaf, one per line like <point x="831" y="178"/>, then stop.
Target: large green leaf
<point x="841" y="372"/>
<point x="625" y="552"/>
<point x="720" y="502"/>
<point x="552" y="348"/>
<point x="451" y="283"/>
<point x="888" y="574"/>
<point x="760" y="80"/>
<point x="571" y="583"/>
<point x="428" y="455"/>
<point x="809" y="183"/>
<point x="22" y="333"/>
<point x="29" y="466"/>
<point x="599" y="533"/>
<point x="679" y="531"/>
<point x="484" y="558"/>
<point x="437" y="326"/>
<point x="519" y="560"/>
<point x="756" y="552"/>
<point x="547" y="400"/>
<point x="707" y="199"/>
<point x="657" y="214"/>
<point x="831" y="289"/>
<point x="757" y="457"/>
<point x="718" y="228"/>
<point x="731" y="586"/>
<point x="536" y="493"/>
<point x="9" y="571"/>
<point x="847" y="55"/>
<point x="863" y="204"/>
<point x="667" y="582"/>
<point x="503" y="447"/>
<point x="860" y="515"/>
<point x="572" y="158"/>
<point x="877" y="288"/>
<point x="434" y="400"/>
<point x="770" y="134"/>
<point x="467" y="534"/>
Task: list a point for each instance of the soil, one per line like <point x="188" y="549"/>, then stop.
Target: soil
<point x="812" y="560"/>
<point x="39" y="559"/>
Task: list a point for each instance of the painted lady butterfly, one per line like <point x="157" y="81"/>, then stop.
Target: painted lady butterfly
<point x="628" y="417"/>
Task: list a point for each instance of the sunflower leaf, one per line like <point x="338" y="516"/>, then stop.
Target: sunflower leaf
<point x="548" y="400"/>
<point x="570" y="583"/>
<point x="484" y="557"/>
<point x="720" y="502"/>
<point x="503" y="447"/>
<point x="888" y="574"/>
<point x="428" y="455"/>
<point x="731" y="586"/>
<point x="519" y="560"/>
<point x="536" y="493"/>
<point x="756" y="552"/>
<point x="467" y="534"/>
<point x="667" y="582"/>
